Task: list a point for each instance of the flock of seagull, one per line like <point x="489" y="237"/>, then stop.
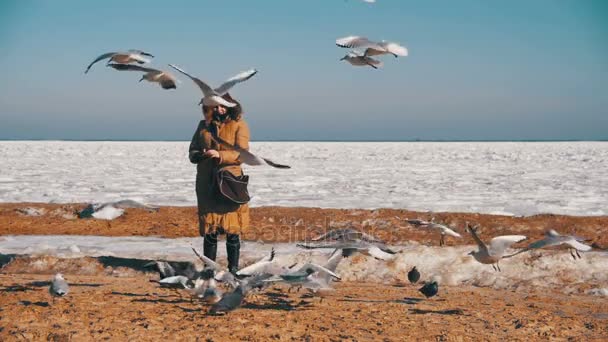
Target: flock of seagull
<point x="226" y="291"/>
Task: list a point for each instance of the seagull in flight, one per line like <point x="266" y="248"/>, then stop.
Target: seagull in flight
<point x="213" y="97"/>
<point x="372" y="48"/>
<point x="553" y="238"/>
<point x="130" y="56"/>
<point x="163" y="78"/>
<point x="351" y="240"/>
<point x="355" y="58"/>
<point x="443" y="229"/>
<point x="496" y="250"/>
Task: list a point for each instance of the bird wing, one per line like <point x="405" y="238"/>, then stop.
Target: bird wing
<point x="241" y="77"/>
<point x="417" y="222"/>
<point x="578" y="245"/>
<point x="374" y="63"/>
<point x="480" y="244"/>
<point x="139" y="52"/>
<point x="395" y="48"/>
<point x="102" y="57"/>
<point x="214" y="265"/>
<point x="319" y="268"/>
<point x="131" y="67"/>
<point x="379" y="254"/>
<point x="353" y="42"/>
<point x="207" y="91"/>
<point x="446" y="230"/>
<point x="215" y="100"/>
<point x="500" y="243"/>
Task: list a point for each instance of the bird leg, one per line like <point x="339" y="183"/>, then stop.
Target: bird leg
<point x="498" y="266"/>
<point x="494" y="266"/>
<point x="572" y="254"/>
<point x="577" y="254"/>
<point x="441" y="241"/>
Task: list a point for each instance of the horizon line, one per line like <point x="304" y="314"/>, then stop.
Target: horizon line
<point x="325" y="140"/>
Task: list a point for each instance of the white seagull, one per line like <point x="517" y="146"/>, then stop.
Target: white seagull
<point x="357" y="59"/>
<point x="59" y="287"/>
<point x="443" y="229"/>
<point x="496" y="250"/>
<point x="130" y="56"/>
<point x="163" y="78"/>
<point x="213" y="97"/>
<point x="372" y="48"/>
<point x="553" y="238"/>
<point x="351" y="240"/>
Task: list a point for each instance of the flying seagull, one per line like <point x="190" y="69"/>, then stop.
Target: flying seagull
<point x="496" y="250"/>
<point x="372" y="48"/>
<point x="130" y="56"/>
<point x="163" y="78"/>
<point x="553" y="238"/>
<point x="351" y="240"/>
<point x="213" y="97"/>
<point x="443" y="229"/>
<point x="357" y="59"/>
<point x="247" y="157"/>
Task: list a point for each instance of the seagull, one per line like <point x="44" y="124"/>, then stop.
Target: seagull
<point x="213" y="97"/>
<point x="221" y="274"/>
<point x="265" y="265"/>
<point x="356" y="59"/>
<point x="493" y="253"/>
<point x="372" y="48"/>
<point x="443" y="229"/>
<point x="234" y="299"/>
<point x="167" y="269"/>
<point x="350" y="240"/>
<point x="247" y="157"/>
<point x="163" y="78"/>
<point x="304" y="275"/>
<point x="429" y="289"/>
<point x="413" y="275"/>
<point x="553" y="238"/>
<point x="130" y="56"/>
<point x="176" y="282"/>
<point x="320" y="282"/>
<point x="59" y="287"/>
<point x="207" y="290"/>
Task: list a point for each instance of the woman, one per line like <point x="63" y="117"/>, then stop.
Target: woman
<point x="217" y="216"/>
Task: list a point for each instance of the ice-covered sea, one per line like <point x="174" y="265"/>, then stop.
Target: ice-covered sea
<point x="520" y="178"/>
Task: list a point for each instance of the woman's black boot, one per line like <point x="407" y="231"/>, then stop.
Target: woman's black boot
<point x="210" y="246"/>
<point x="233" y="249"/>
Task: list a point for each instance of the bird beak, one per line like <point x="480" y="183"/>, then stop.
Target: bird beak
<point x="141" y="79"/>
<point x="343" y="58"/>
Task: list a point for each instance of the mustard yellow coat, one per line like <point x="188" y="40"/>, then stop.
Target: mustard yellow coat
<point x="214" y="213"/>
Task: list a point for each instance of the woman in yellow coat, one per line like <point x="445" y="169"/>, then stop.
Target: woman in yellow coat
<point x="217" y="216"/>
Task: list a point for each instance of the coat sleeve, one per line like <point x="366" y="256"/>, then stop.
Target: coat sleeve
<point x="242" y="141"/>
<point x="195" y="152"/>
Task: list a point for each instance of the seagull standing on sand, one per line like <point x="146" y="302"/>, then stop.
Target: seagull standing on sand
<point x="372" y="48"/>
<point x="163" y="78"/>
<point x="553" y="238"/>
<point x="59" y="287"/>
<point x="130" y="56"/>
<point x="443" y="229"/>
<point x="351" y="240"/>
<point x="496" y="250"/>
<point x="213" y="97"/>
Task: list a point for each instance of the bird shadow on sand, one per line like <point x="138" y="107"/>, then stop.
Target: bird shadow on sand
<point x="129" y="294"/>
<point x="45" y="283"/>
<point x="277" y="301"/>
<point x="458" y="312"/>
<point x="28" y="303"/>
<point x="164" y="301"/>
<point x="406" y="300"/>
<point x="16" y="288"/>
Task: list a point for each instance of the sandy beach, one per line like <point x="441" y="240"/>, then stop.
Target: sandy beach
<point x="120" y="303"/>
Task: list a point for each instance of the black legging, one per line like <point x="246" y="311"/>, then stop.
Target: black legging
<point x="233" y="247"/>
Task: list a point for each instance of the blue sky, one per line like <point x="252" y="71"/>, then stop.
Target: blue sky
<point x="488" y="70"/>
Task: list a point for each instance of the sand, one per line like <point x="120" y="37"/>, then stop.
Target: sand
<point x="122" y="304"/>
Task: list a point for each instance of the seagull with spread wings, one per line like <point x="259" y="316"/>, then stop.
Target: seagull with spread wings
<point x="492" y="253"/>
<point x="213" y="97"/>
<point x="163" y="78"/>
<point x="128" y="57"/>
<point x="372" y="48"/>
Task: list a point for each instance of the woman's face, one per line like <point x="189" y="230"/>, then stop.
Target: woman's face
<point x="221" y="110"/>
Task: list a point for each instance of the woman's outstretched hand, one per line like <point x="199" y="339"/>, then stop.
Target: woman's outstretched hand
<point x="212" y="154"/>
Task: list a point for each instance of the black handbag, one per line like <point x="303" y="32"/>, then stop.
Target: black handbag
<point x="232" y="188"/>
